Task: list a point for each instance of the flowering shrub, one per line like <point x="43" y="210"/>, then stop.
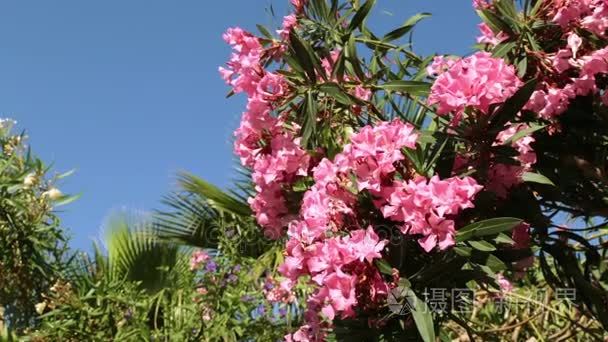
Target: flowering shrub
<point x="32" y="244"/>
<point x="371" y="189"/>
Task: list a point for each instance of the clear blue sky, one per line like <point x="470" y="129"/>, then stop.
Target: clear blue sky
<point x="127" y="92"/>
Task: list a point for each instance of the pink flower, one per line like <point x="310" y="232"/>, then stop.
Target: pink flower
<point x="198" y="258"/>
<point x="505" y="285"/>
<point x="478" y="81"/>
<point x="574" y="42"/>
<point x="488" y="37"/>
<point x="374" y="150"/>
<point x="440" y="65"/>
<point x="299" y="5"/>
<point x="365" y="244"/>
<point x="481" y="4"/>
<point x="289" y="23"/>
<point x="561" y="60"/>
<point x="422" y="205"/>
<point x="527" y="156"/>
<point x="244" y="69"/>
<point x="502" y="177"/>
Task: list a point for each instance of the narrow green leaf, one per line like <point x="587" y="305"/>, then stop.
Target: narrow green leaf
<point x="513" y="105"/>
<point x="483" y="246"/>
<point x="502" y="49"/>
<point x="414" y="88"/>
<point x="302" y="55"/>
<point x="405" y="28"/>
<point x="264" y="31"/>
<point x="487" y="227"/>
<point x="423" y="316"/>
<point x="495" y="22"/>
<point x="532" y="177"/>
<point x="361" y="15"/>
<point x="335" y="91"/>
<point x="383" y="266"/>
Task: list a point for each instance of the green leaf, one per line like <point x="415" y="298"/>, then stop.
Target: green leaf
<point x="335" y="91"/>
<point x="405" y="28"/>
<point x="383" y="266"/>
<point x="502" y="49"/>
<point x="309" y="126"/>
<point x="503" y="238"/>
<point x="361" y="15"/>
<point x="302" y="53"/>
<point x="487" y="227"/>
<point x="495" y="22"/>
<point x="483" y="246"/>
<point x="532" y="177"/>
<point x="423" y="316"/>
<point x="264" y="31"/>
<point x="64" y="200"/>
<point x="463" y="251"/>
<point x="414" y="88"/>
<point x="513" y="105"/>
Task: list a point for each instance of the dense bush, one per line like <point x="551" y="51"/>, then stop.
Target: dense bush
<point x="32" y="243"/>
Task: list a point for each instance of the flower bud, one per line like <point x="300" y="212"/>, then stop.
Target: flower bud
<point x="29" y="180"/>
<point x="40" y="307"/>
<point x="53" y="194"/>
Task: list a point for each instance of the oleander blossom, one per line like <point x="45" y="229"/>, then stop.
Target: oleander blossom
<point x="488" y="36"/>
<point x="340" y="263"/>
<point x="426" y="207"/>
<point x="477" y="81"/>
<point x="591" y="15"/>
<point x="503" y="177"/>
<point x="197" y="259"/>
<point x="263" y="143"/>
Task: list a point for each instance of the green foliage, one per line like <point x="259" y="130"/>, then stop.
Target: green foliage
<point x="32" y="243"/>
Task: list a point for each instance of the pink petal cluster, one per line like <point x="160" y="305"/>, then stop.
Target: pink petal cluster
<point x="289" y="23"/>
<point x="299" y="5"/>
<point x="279" y="292"/>
<point x="481" y="4"/>
<point x="342" y="269"/>
<point x="244" y="70"/>
<point x="439" y="65"/>
<point x="197" y="259"/>
<point x="262" y="141"/>
<point x="477" y="81"/>
<point x="339" y="264"/>
<point x="488" y="36"/>
<point x="575" y="64"/>
<point x="426" y="207"/>
<point x="552" y="100"/>
<point x="503" y="177"/>
<point x="591" y="15"/>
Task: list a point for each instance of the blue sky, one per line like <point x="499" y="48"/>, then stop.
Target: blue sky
<point x="127" y="92"/>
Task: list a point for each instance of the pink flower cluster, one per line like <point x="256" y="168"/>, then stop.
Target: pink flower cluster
<point x="197" y="259"/>
<point x="591" y="15"/>
<point x="576" y="64"/>
<point x="477" y="81"/>
<point x="553" y="99"/>
<point x="262" y="141"/>
<point x="488" y="36"/>
<point x="342" y="270"/>
<point x="426" y="207"/>
<point x="502" y="177"/>
<point x="338" y="264"/>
